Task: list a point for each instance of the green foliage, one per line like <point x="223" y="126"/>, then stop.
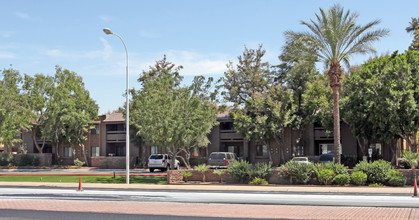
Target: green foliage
<point x="14" y="111"/>
<point x="326" y="176"/>
<point x="258" y="181"/>
<point x="202" y="168"/>
<point x="220" y="172"/>
<point x="6" y="159"/>
<point x="376" y="185"/>
<point x="334" y="32"/>
<point x="78" y="163"/>
<point x="382" y="98"/>
<point x="410" y="158"/>
<point x="342" y="179"/>
<point x="414" y="29"/>
<point x="263" y="170"/>
<point x="317" y="103"/>
<point x="165" y="114"/>
<point x="239" y="170"/>
<point x="251" y="76"/>
<point x="302" y="172"/>
<point x="28" y="160"/>
<point x="359" y="178"/>
<point x="335" y="36"/>
<point x="377" y="171"/>
<point x="396" y="178"/>
<point x="186" y="175"/>
<point x="336" y="167"/>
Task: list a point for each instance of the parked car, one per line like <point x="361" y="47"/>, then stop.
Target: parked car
<point x="161" y="162"/>
<point x="326" y="158"/>
<point x="300" y="159"/>
<point x="221" y="159"/>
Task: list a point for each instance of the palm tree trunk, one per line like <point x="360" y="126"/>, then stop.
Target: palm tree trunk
<point x="336" y="124"/>
<point x="335" y="80"/>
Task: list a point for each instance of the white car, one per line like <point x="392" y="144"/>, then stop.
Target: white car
<point x="161" y="162"/>
<point x="301" y="159"/>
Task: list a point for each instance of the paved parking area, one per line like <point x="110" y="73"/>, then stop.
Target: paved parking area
<point x="211" y="210"/>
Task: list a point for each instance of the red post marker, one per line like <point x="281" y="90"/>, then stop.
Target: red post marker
<point x="80" y="187"/>
<point x="415" y="188"/>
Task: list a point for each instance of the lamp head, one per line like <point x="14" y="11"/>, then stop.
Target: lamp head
<point x="107" y="31"/>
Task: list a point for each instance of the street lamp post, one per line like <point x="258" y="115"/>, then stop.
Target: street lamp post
<point x="108" y="31"/>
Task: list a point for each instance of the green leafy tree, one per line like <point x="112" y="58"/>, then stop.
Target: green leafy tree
<point x="265" y="116"/>
<point x="70" y="110"/>
<point x="413" y="28"/>
<point x="38" y="90"/>
<point x="251" y="75"/>
<point x="168" y="115"/>
<point x="336" y="36"/>
<point x="382" y="99"/>
<point x="14" y="112"/>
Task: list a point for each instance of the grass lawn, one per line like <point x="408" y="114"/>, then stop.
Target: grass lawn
<point x="86" y="179"/>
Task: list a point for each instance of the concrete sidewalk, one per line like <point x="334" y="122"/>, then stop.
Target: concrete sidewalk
<point x="221" y="187"/>
<point x="190" y="186"/>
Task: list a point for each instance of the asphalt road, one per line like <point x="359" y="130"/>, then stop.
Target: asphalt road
<point x="220" y="197"/>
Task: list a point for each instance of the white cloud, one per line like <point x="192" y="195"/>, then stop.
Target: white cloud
<point x="105" y="18"/>
<point x="198" y="64"/>
<point x="6" y="55"/>
<point x="23" y="15"/>
<point x="54" y="53"/>
<point x="6" y="34"/>
<point x="107" y="49"/>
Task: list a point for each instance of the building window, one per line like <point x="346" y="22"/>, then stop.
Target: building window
<point x="68" y="152"/>
<point x="262" y="150"/>
<point x="94" y="129"/>
<point x="95" y="151"/>
<point x="326" y="149"/>
<point x="154" y="150"/>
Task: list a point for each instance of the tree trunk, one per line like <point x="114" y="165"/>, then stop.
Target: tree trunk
<point x="40" y="148"/>
<point x="335" y="80"/>
<point x="361" y="146"/>
<point x="336" y="124"/>
<point x="84" y="154"/>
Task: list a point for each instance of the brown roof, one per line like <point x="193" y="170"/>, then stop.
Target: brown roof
<point x="114" y="117"/>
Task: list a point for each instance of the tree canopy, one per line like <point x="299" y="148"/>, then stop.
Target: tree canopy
<point x="382" y="99"/>
<point x="335" y="37"/>
<point x="413" y="28"/>
<point x="165" y="114"/>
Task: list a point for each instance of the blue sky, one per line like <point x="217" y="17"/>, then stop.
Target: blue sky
<point x="200" y="35"/>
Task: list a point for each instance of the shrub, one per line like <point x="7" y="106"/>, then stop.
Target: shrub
<point x="396" y="178"/>
<point x="5" y="159"/>
<point x="239" y="170"/>
<point x="326" y="176"/>
<point x="376" y="184"/>
<point x="28" y="160"/>
<point x="342" y="179"/>
<point x="263" y="171"/>
<point x="336" y="167"/>
<point x="78" y="163"/>
<point x="302" y="172"/>
<point x="377" y="172"/>
<point x="359" y="178"/>
<point x="202" y="168"/>
<point x="220" y="174"/>
<point x="259" y="181"/>
<point x="186" y="175"/>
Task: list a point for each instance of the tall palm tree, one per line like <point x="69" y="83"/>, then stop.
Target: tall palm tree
<point x="336" y="37"/>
